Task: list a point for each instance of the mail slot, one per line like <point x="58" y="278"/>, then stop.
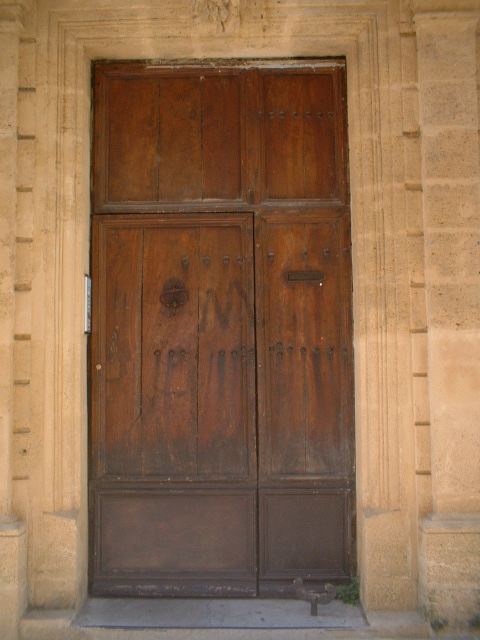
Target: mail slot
<point x="304" y="276"/>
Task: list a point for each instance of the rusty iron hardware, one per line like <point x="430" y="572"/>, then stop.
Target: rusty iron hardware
<point x="174" y="294"/>
<point x="206" y="260"/>
<point x="240" y="259"/>
<point x="326" y="252"/>
<point x="271" y="255"/>
<point x="185" y="261"/>
<point x="226" y="259"/>
<point x="304" y="276"/>
<point x="314" y="597"/>
<point x="157" y="353"/>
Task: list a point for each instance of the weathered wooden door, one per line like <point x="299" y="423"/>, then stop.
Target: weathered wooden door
<point x="222" y="441"/>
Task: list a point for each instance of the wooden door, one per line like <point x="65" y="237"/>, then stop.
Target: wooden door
<point x="222" y="441"/>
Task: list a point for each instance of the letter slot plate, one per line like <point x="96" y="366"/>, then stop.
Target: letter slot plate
<point x="304" y="276"/>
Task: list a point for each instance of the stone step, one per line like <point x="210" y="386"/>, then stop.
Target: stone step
<point x="128" y="619"/>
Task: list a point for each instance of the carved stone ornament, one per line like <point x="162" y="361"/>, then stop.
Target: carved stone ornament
<point x="221" y="14"/>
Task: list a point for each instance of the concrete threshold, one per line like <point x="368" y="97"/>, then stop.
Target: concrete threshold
<point x="202" y="619"/>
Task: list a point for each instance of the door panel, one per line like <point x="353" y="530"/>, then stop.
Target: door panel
<point x="303" y="534"/>
<point x="222" y="435"/>
<point x="302" y="141"/>
<point x="196" y="542"/>
<point x="306" y="326"/>
<point x="174" y="434"/>
<point x="306" y="462"/>
<point x="167" y="138"/>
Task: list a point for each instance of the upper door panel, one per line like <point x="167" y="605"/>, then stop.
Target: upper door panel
<point x="167" y="139"/>
<point x="303" y="112"/>
<point x="209" y="135"/>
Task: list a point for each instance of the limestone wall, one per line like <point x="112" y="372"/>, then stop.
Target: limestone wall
<point x="412" y="83"/>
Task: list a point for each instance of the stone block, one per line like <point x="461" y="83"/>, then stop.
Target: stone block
<point x="414" y="207"/>
<point x="26" y="64"/>
<point x="23" y="312"/>
<point x="421" y="403"/>
<point x="454" y="306"/>
<point x="453" y="255"/>
<point x="21" y="455"/>
<point x="413" y="167"/>
<point x="386" y="582"/>
<point x="418" y="309"/>
<point x="21" y="407"/>
<point x="456" y="457"/>
<point x="411" y="121"/>
<point x="23" y="264"/>
<point x="25" y="163"/>
<point x="450" y="154"/>
<point x="448" y="104"/>
<point x="25" y="214"/>
<point x="446" y="48"/>
<point x="452" y="205"/>
<point x="419" y="353"/>
<point x="422" y="448"/>
<point x="423" y="485"/>
<point x="456" y="357"/>
<point x="409" y="59"/>
<point x="22" y="360"/>
<point x="8" y="172"/>
<point x="450" y="576"/>
<point x="416" y="259"/>
<point x="8" y="115"/>
<point x="54" y="584"/>
<point x="12" y="577"/>
<point x="26" y="113"/>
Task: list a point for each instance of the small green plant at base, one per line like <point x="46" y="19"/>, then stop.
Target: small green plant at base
<point x="349" y="593"/>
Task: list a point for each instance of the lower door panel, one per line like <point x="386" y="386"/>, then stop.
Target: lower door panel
<point x="199" y="542"/>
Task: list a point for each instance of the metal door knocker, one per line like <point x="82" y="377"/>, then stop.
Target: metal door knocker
<point x="174" y="295"/>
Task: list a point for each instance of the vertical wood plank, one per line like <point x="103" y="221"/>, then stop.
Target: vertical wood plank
<point x="169" y="372"/>
<point x="221" y="143"/>
<point x="223" y="352"/>
<point x="325" y="423"/>
<point x="283" y="112"/>
<point x="122" y="341"/>
<point x="320" y="140"/>
<point x="284" y="351"/>
<point x="132" y="124"/>
<point x="180" y="139"/>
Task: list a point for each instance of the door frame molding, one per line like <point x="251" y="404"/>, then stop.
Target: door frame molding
<point x="380" y="282"/>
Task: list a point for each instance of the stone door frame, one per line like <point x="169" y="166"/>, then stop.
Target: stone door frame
<point x="380" y="279"/>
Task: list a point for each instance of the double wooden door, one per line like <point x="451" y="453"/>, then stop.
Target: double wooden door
<point x="222" y="441"/>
